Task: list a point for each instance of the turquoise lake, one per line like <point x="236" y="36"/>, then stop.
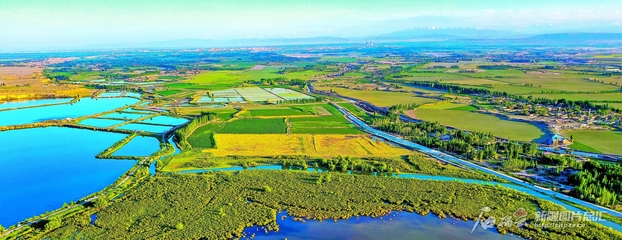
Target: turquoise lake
<point x="42" y="168"/>
<point x="84" y="107"/>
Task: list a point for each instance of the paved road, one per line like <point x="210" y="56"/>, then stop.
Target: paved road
<point x="448" y="158"/>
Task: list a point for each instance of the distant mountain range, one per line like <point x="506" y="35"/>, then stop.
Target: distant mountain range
<point x="421" y="35"/>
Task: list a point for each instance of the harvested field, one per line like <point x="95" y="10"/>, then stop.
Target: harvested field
<point x="302" y="144"/>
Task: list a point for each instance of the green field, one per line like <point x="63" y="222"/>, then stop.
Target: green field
<point x="225" y="114"/>
<point x="601" y="141"/>
<point x="380" y="98"/>
<point x="203" y="136"/>
<point x="271" y="112"/>
<point x="255" y="126"/>
<point x="332" y="124"/>
<point x="187" y="86"/>
<point x="169" y="92"/>
<point x="473" y="121"/>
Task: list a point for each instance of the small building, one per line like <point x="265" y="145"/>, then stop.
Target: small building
<point x="557" y="140"/>
<point x="445" y="137"/>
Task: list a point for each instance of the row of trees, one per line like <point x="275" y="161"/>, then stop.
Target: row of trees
<point x="182" y="133"/>
<point x="583" y="105"/>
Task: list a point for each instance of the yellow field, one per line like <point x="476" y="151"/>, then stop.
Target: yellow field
<point x="302" y="144"/>
<point x="29" y="82"/>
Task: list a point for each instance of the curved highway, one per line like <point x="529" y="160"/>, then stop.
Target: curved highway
<point x="451" y="159"/>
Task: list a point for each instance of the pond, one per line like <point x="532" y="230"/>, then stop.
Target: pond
<point x="396" y="225"/>
<point x="119" y="115"/>
<point x="139" y="146"/>
<point x="42" y="168"/>
<point x="31" y="103"/>
<point x="145" y="127"/>
<point x="84" y="107"/>
<point x="96" y="122"/>
<point x="110" y="94"/>
<point x="165" y="120"/>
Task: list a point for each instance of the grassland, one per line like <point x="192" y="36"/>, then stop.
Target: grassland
<point x="302" y="144"/>
<point x="222" y="205"/>
<point x="601" y="141"/>
<point x="223" y="79"/>
<point x="473" y="121"/>
<point x="202" y="137"/>
<point x="379" y="98"/>
<point x="255" y="126"/>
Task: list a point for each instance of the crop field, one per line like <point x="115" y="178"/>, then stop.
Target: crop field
<point x="380" y="98"/>
<point x="302" y="144"/>
<point x="601" y="141"/>
<point x="255" y="126"/>
<point x="203" y="137"/>
<point x="461" y="118"/>
<point x="253" y="94"/>
<point x="288" y="94"/>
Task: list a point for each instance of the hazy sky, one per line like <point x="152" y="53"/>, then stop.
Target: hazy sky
<point x="40" y="24"/>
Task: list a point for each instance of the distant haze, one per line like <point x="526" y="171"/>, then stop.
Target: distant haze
<point x="30" y="25"/>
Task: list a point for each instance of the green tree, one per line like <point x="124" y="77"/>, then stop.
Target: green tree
<point x="267" y="189"/>
<point x="180" y="226"/>
<point x="54" y="223"/>
<point x="100" y="202"/>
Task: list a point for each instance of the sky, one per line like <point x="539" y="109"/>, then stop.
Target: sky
<point x="63" y="24"/>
